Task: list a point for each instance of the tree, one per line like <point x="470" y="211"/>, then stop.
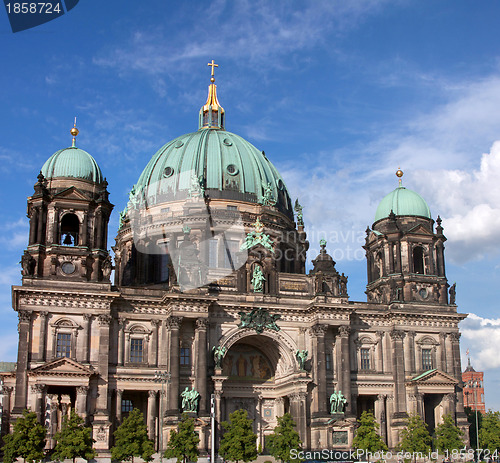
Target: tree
<point x="367" y="438"/>
<point x="415" y="438"/>
<point x="284" y="438"/>
<point x="131" y="439"/>
<point x="74" y="440"/>
<point x="27" y="439"/>
<point x="183" y="444"/>
<point x="489" y="434"/>
<point x="448" y="436"/>
<point x="238" y="442"/>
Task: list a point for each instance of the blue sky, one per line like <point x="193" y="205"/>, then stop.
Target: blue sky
<point x="338" y="94"/>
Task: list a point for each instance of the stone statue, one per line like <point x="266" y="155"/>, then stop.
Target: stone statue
<point x="337" y="402"/>
<point x="343" y="285"/>
<point x="256" y="237"/>
<point x="219" y="353"/>
<point x="190" y="400"/>
<point x="267" y="198"/>
<point x="28" y="264"/>
<point x="301" y="356"/>
<point x="123" y="217"/>
<point x="258" y="279"/>
<point x="196" y="190"/>
<point x="453" y="293"/>
<point x="298" y="210"/>
<point x="107" y="266"/>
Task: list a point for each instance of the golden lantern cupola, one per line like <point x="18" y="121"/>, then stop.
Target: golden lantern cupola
<point x="212" y="113"/>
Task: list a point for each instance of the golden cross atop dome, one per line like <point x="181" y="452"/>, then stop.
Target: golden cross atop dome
<point x="213" y="66"/>
<point x="74" y="131"/>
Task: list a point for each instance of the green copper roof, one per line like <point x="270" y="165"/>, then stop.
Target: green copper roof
<point x="229" y="167"/>
<point x="403" y="202"/>
<point x="72" y="162"/>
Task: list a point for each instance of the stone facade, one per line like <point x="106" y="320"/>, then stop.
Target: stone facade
<point x="285" y="341"/>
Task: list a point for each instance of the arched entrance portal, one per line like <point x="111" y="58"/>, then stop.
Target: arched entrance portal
<point x="259" y="375"/>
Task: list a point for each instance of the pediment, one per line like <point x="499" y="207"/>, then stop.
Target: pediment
<point x="61" y="367"/>
<point x="433" y="378"/>
<point x="419" y="229"/>
<point x="72" y="193"/>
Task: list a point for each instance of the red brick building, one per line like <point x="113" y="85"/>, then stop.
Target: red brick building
<point x="473" y="389"/>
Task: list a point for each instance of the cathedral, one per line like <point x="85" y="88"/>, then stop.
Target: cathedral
<point x="211" y="308"/>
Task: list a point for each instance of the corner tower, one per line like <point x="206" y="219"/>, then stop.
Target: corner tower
<point x="405" y="256"/>
<point x="69" y="213"/>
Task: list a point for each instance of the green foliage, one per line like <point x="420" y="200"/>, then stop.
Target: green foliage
<point x="448" y="436"/>
<point x="283" y="439"/>
<point x="471" y="418"/>
<point x="183" y="444"/>
<point x="27" y="440"/>
<point x="238" y="442"/>
<point x="415" y="438"/>
<point x="489" y="434"/>
<point x="131" y="439"/>
<point x="367" y="438"/>
<point x="74" y="440"/>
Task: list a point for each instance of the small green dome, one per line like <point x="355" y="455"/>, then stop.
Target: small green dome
<point x="230" y="168"/>
<point x="72" y="162"/>
<point x="403" y="202"/>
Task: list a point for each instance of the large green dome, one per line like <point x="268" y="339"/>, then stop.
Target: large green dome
<point x="72" y="162"/>
<point x="402" y="202"/>
<point x="228" y="166"/>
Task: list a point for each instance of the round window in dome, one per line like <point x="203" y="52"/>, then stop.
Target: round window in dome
<point x="423" y="293"/>
<point x="68" y="268"/>
<point x="280" y="184"/>
<point x="232" y="169"/>
<point x="179" y="143"/>
<point x="168" y="172"/>
<point x="227" y="142"/>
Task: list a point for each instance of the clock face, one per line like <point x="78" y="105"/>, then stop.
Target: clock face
<point x="68" y="268"/>
<point x="423" y="293"/>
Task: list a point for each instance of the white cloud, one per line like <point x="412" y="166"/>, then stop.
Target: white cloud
<point x="482" y="337"/>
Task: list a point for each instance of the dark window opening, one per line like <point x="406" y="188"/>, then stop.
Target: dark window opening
<point x="70" y="227"/>
<point x="63" y="347"/>
<point x="426" y="359"/>
<point x="365" y="359"/>
<point x="185" y="356"/>
<point x="418" y="260"/>
<point x="328" y="361"/>
<point x="136" y="350"/>
<point x="127" y="406"/>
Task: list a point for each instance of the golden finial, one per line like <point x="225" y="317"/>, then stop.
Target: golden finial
<point x="212" y="79"/>
<point x="399" y="174"/>
<point x="74" y="131"/>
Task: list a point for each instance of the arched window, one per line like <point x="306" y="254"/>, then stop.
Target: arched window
<point x="418" y="260"/>
<point x="70" y="226"/>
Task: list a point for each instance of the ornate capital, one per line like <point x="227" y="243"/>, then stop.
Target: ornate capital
<point x="82" y="390"/>
<point x="296" y="396"/>
<point x="174" y="323"/>
<point x="319" y="330"/>
<point x="344" y="331"/>
<point x="87" y="316"/>
<point x="152" y="394"/>
<point x="410" y="334"/>
<point x="380" y="335"/>
<point x="7" y="389"/>
<point x="381" y="396"/>
<point x="454" y="337"/>
<point x="43" y="314"/>
<point x="155" y="323"/>
<point x="104" y="319"/>
<point x="38" y="388"/>
<point x="279" y="400"/>
<point x="397" y="335"/>
<point x="119" y="392"/>
<point x="201" y="323"/>
<point x="24" y="316"/>
<point x="451" y="397"/>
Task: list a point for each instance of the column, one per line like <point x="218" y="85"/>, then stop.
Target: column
<point x="398" y="370"/>
<point x="441" y="352"/>
<point x="174" y="324"/>
<point x="55" y="226"/>
<point x="279" y="406"/>
<point x="151" y="414"/>
<point x="85" y="355"/>
<point x="457" y="373"/>
<point x="319" y="405"/>
<point x="119" y="394"/>
<point x="344" y="367"/>
<point x="83" y="239"/>
<point x="450" y="366"/>
<point x="409" y="351"/>
<point x="201" y="363"/>
<point x="98" y="226"/>
<point x="42" y="341"/>
<point x="121" y="340"/>
<point x="153" y="351"/>
<point x="54" y="406"/>
<point x="81" y="401"/>
<point x="380" y="351"/>
<point x="162" y="343"/>
<point x="380" y="415"/>
<point x="33" y="225"/>
<point x="39" y="235"/>
<point x="103" y="364"/>
<point x="38" y="391"/>
<point x="298" y="412"/>
<point x="22" y="361"/>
